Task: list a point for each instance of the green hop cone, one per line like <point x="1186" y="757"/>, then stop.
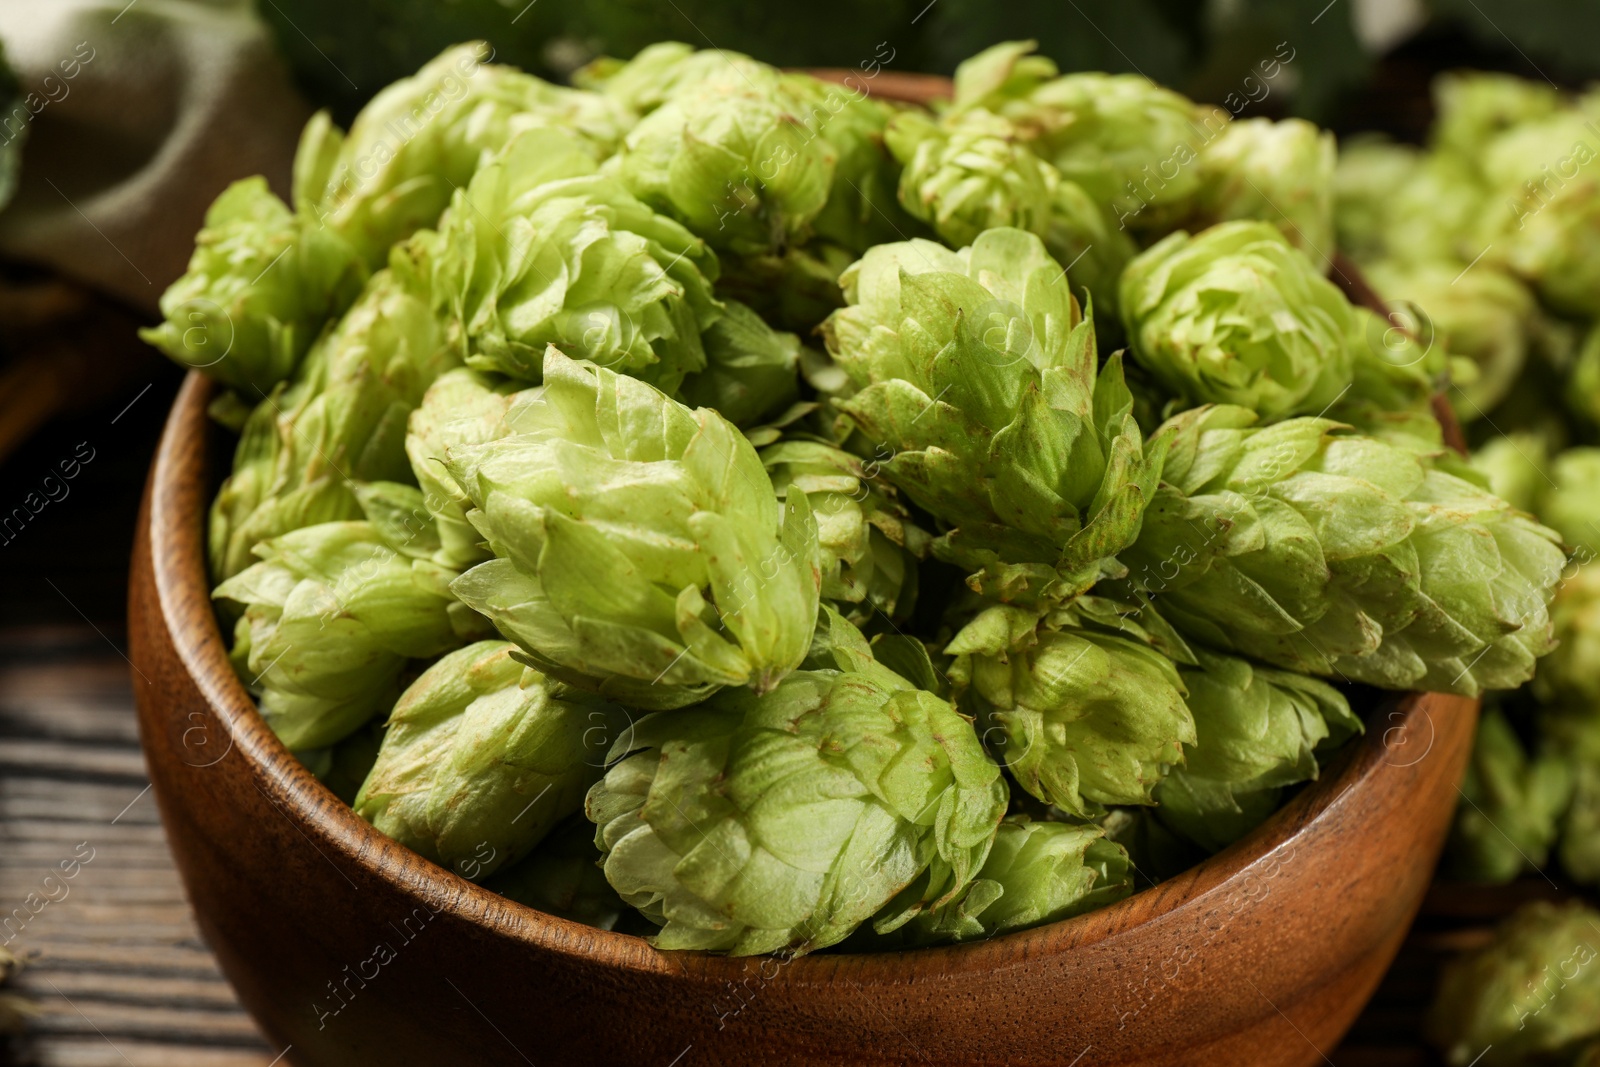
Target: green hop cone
<point x="539" y="250"/>
<point x="1515" y="466"/>
<point x="971" y="175"/>
<point x="661" y="71"/>
<point x="731" y="160"/>
<point x="1084" y="715"/>
<point x="1534" y="991"/>
<point x="1511" y="806"/>
<point x="1125" y="140"/>
<point x="1572" y="735"/>
<point x="1326" y="552"/>
<point x="342" y="421"/>
<point x="1036" y="873"/>
<point x="331" y="615"/>
<point x="1484" y="315"/>
<point x="261" y="283"/>
<point x="752" y="371"/>
<point x="869" y="544"/>
<point x="562" y="877"/>
<point x="1277" y="172"/>
<point x="1474" y="107"/>
<point x="1570" y="503"/>
<point x="641" y="551"/>
<point x="482" y="757"/>
<point x="1396" y="201"/>
<point x="425" y="136"/>
<point x="1567" y="677"/>
<point x="463" y="408"/>
<point x="1236" y="315"/>
<point x="975" y="375"/>
<point x="1257" y="730"/>
<point x="782" y="822"/>
<point x="1366" y="174"/>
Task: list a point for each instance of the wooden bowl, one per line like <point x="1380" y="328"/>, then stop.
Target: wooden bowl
<point x="349" y="949"/>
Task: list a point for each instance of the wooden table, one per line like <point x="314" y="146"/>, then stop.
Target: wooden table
<point x="117" y="968"/>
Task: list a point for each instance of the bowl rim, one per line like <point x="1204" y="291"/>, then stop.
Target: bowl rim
<point x="178" y="502"/>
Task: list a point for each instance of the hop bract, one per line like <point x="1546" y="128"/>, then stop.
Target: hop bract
<point x="640" y="549"/>
<point x="760" y="823"/>
<point x="1236" y="315"/>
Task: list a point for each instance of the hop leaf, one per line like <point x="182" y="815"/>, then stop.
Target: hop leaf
<point x="261" y="283"/>
<point x="1330" y="553"/>
<point x="978" y="380"/>
<point x="781" y="822"/>
<point x="641" y="551"/>
<point x="1236" y="315"/>
<point x="483" y="757"/>
<point x="331" y="614"/>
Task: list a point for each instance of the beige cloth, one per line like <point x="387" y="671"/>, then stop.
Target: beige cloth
<point x="144" y="113"/>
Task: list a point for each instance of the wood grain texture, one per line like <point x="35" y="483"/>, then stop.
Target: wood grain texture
<point x="1263" y="955"/>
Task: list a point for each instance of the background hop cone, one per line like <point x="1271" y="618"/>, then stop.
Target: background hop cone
<point x="1571" y="736"/>
<point x="464" y="407"/>
<point x="1513" y="809"/>
<point x="1476" y="106"/>
<point x="1568" y="502"/>
<point x="1086" y="715"/>
<point x="765" y="823"/>
<point x="869" y="544"/>
<point x="261" y="283"/>
<point x="1566" y="677"/>
<point x="1236" y="315"/>
<point x="641" y="551"/>
<point x="341" y="422"/>
<point x="540" y="250"/>
<point x="1036" y="873"/>
<point x="660" y="71"/>
<point x="331" y="615"/>
<point x="1276" y="172"/>
<point x="482" y="757"/>
<point x="1533" y="991"/>
<point x="424" y="136"/>
<point x="1257" y="730"/>
<point x="1335" y="554"/>
<point x="752" y="370"/>
<point x="977" y="378"/>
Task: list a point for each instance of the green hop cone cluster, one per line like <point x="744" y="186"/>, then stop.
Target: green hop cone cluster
<point x="1257" y="730"/>
<point x="340" y="422"/>
<point x="1036" y="873"/>
<point x="1085" y="713"/>
<point x="640" y="550"/>
<point x="423" y="137"/>
<point x="1125" y="140"/>
<point x="540" y="250"/>
<point x="1236" y="315"/>
<point x="1532" y="992"/>
<point x="331" y="614"/>
<point x="1511" y="808"/>
<point x="1276" y="172"/>
<point x="261" y="284"/>
<point x="868" y="542"/>
<point x="976" y="375"/>
<point x="1327" y="552"/>
<point x="1475" y="106"/>
<point x="783" y="821"/>
<point x="482" y="757"/>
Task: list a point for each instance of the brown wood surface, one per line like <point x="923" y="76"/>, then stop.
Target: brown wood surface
<point x="1263" y="955"/>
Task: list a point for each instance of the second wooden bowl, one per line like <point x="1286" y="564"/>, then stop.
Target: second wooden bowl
<point x="350" y="950"/>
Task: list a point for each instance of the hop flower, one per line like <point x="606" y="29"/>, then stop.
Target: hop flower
<point x="1257" y="730"/>
<point x="869" y="545"/>
<point x="1277" y="172"/>
<point x="1036" y="873"/>
<point x="1514" y="465"/>
<point x="463" y="408"/>
<point x="1330" y="553"/>
<point x="1474" y="107"/>
<point x="424" y="136"/>
<point x="1568" y="502"/>
<point x="539" y="250"/>
<point x="1396" y="201"/>
<point x="1085" y="715"/>
<point x="331" y="615"/>
<point x="783" y="821"/>
<point x="482" y="757"/>
<point x="1531" y="991"/>
<point x="752" y="371"/>
<point x="261" y="283"/>
<point x="1512" y="806"/>
<point x="978" y="380"/>
<point x="1237" y="315"/>
<point x="641" y="551"/>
